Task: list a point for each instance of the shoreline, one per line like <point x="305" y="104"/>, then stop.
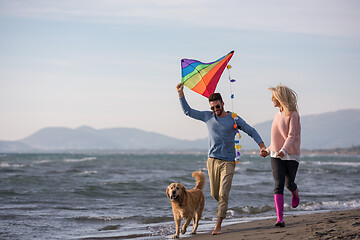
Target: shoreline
<point x="349" y="151"/>
<point x="344" y="224"/>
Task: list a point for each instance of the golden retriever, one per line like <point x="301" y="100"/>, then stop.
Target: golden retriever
<point x="187" y="204"/>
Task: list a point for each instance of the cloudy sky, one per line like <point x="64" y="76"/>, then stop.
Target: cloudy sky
<point x="115" y="63"/>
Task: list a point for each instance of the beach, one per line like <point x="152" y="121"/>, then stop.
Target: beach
<point x="326" y="225"/>
<point x="122" y="196"/>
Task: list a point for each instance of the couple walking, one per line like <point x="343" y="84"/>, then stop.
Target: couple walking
<point x="284" y="148"/>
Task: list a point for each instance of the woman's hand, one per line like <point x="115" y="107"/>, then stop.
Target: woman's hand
<point x="280" y="154"/>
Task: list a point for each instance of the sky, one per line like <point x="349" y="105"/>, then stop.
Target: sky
<point x="113" y="63"/>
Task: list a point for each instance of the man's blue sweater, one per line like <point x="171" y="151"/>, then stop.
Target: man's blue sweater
<point x="221" y="131"/>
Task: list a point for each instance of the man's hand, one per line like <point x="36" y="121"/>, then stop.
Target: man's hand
<point x="180" y="90"/>
<point x="264" y="153"/>
<point x="263" y="150"/>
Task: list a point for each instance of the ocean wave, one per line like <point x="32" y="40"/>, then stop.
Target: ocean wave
<point x="125" y="194"/>
<point x="249" y="210"/>
<point x="309" y="206"/>
<point x="7" y="165"/>
<point x="256" y="170"/>
<point x="109" y="218"/>
<point x="162" y="230"/>
<point x="88" y="172"/>
<point x="109" y="228"/>
<point x="351" y="164"/>
<point x="98" y="218"/>
<point x="7" y="193"/>
<point x="42" y="161"/>
<point x="80" y="159"/>
<point x="245" y="162"/>
<point x="329" y="205"/>
<point x="322" y="163"/>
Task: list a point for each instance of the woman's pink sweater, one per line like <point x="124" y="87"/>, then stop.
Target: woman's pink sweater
<point x="285" y="133"/>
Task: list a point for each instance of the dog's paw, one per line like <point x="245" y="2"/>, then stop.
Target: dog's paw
<point x="175" y="236"/>
<point x="183" y="231"/>
<point x="193" y="233"/>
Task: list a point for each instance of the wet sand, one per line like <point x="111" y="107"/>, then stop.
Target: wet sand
<point x="329" y="225"/>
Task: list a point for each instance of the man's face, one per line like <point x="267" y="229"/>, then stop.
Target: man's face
<point x="217" y="107"/>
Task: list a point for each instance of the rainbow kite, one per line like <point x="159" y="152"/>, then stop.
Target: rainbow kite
<point x="203" y="77"/>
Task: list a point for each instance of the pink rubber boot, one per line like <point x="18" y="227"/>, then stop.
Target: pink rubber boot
<point x="279" y="206"/>
<point x="295" y="198"/>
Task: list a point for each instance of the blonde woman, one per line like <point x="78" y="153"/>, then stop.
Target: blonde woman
<point x="284" y="148"/>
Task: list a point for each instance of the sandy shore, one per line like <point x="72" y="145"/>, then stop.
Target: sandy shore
<point x="329" y="225"/>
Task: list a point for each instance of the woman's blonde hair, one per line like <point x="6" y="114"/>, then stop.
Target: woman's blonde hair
<point x="286" y="97"/>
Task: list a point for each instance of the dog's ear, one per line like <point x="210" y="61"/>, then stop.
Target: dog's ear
<point x="167" y="191"/>
<point x="185" y="192"/>
<point x="183" y="189"/>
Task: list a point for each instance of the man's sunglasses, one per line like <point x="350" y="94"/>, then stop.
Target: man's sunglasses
<point x="217" y="107"/>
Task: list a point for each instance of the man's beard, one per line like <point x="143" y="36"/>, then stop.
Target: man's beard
<point x="220" y="112"/>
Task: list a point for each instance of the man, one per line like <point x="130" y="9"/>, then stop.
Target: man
<point x="221" y="155"/>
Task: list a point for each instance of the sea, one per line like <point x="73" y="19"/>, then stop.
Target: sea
<point x="123" y="195"/>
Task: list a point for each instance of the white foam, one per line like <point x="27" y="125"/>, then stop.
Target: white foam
<point x="245" y="163"/>
<point x="42" y="161"/>
<point x="350" y="164"/>
<point x="80" y="160"/>
<point x="231" y="213"/>
<point x="102" y="218"/>
<point x="7" y="165"/>
<point x="88" y="172"/>
<point x="330" y="205"/>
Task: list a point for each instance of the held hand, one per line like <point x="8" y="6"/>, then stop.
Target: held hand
<point x="180" y="90"/>
<point x="263" y="153"/>
<point x="179" y="87"/>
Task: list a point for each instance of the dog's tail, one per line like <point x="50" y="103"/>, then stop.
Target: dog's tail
<point x="200" y="179"/>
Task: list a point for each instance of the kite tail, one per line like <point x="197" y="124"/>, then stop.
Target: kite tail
<point x="235" y="117"/>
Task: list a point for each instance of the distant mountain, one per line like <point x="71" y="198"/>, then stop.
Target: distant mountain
<point x="339" y="129"/>
<point x="14" y="146"/>
<point x="85" y="138"/>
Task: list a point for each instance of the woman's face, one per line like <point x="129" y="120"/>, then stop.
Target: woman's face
<point x="275" y="101"/>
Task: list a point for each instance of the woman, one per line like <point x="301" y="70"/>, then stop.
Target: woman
<point x="284" y="148"/>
